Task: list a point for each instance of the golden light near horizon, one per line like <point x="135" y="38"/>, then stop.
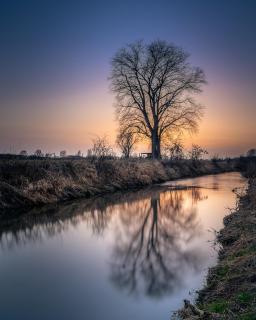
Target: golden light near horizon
<point x="72" y="120"/>
<point x="59" y="97"/>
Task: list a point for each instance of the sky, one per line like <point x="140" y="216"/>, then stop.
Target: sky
<point x="55" y="63"/>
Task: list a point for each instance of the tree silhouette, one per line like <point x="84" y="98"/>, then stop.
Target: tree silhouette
<point x="126" y="141"/>
<point x="154" y="85"/>
<point x="152" y="233"/>
<point x="150" y="254"/>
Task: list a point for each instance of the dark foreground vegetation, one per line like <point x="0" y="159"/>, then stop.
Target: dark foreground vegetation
<point x="230" y="291"/>
<point x="29" y="183"/>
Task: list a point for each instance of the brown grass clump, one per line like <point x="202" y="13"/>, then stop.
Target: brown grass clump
<point x="34" y="182"/>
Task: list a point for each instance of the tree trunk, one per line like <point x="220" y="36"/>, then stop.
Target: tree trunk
<point x="155" y="141"/>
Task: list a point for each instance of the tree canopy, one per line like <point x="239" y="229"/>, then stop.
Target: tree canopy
<point x="154" y="85"/>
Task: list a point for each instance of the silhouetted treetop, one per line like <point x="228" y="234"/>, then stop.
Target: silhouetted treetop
<point x="154" y="84"/>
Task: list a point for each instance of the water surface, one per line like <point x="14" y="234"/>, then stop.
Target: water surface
<point x="124" y="256"/>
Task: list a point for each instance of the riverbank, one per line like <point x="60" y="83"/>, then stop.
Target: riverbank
<point x="32" y="183"/>
<point x="230" y="291"/>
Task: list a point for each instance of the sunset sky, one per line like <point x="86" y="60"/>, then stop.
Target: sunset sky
<point x="55" y="62"/>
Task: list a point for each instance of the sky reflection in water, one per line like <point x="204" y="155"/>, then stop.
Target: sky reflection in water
<point x="135" y="255"/>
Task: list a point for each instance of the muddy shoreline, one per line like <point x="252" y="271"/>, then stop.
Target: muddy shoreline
<point x="230" y="290"/>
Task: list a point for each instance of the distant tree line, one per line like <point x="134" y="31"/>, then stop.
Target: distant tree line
<point x="126" y="144"/>
<point x="39" y="154"/>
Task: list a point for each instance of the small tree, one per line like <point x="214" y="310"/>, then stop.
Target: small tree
<point x="89" y="153"/>
<point x="216" y="158"/>
<point x="63" y="153"/>
<point x="251" y="153"/>
<point x="197" y="152"/>
<point x="24" y="153"/>
<point x="50" y="155"/>
<point x="176" y="151"/>
<point x="38" y="153"/>
<point x="102" y="148"/>
<point x="126" y="141"/>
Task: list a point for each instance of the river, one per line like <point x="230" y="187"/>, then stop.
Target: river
<point x="133" y="255"/>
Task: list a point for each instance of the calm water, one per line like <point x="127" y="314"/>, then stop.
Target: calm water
<point x="130" y="256"/>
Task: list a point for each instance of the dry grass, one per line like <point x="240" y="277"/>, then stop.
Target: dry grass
<point x="38" y="182"/>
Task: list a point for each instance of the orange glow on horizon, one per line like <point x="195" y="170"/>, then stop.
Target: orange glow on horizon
<point x="72" y="120"/>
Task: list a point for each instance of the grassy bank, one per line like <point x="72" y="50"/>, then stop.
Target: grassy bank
<point x="29" y="183"/>
<point x="230" y="291"/>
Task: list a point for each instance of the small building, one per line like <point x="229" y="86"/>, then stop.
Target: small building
<point x="146" y="155"/>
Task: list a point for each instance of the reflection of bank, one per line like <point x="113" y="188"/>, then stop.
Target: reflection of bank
<point x="150" y="251"/>
<point x="151" y="254"/>
<point x="17" y="228"/>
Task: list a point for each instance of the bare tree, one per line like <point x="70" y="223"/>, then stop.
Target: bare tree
<point x="126" y="140"/>
<point x="251" y="153"/>
<point x="50" y="155"/>
<point x="176" y="151"/>
<point x="63" y="153"/>
<point x="89" y="153"/>
<point x="79" y="153"/>
<point x="101" y="148"/>
<point x="24" y="153"/>
<point x="153" y="85"/>
<point x="173" y="148"/>
<point x="38" y="153"/>
<point x="197" y="152"/>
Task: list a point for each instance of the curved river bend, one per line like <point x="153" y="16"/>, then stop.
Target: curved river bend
<point x="123" y="256"/>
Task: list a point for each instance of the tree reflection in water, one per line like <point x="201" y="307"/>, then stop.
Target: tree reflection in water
<point x="18" y="229"/>
<point x="152" y="251"/>
<point x="152" y="231"/>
